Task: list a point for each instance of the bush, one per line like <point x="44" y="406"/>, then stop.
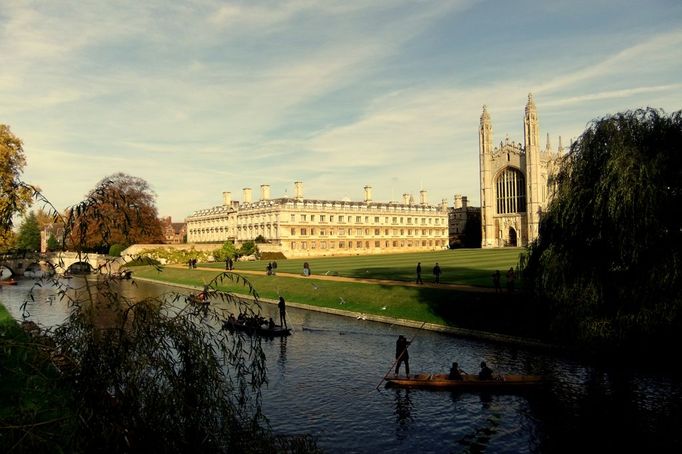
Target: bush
<point x="115" y="250"/>
<point x="272" y="256"/>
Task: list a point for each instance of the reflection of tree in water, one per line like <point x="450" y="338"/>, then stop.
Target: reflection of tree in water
<point x="403" y="412"/>
<point x="478" y="439"/>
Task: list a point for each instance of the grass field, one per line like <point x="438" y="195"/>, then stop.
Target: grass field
<point x="459" y="266"/>
<point x="488" y="311"/>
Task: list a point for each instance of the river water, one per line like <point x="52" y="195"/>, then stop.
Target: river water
<point x="323" y="379"/>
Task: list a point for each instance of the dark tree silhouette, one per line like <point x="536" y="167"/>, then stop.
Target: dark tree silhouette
<point x="607" y="260"/>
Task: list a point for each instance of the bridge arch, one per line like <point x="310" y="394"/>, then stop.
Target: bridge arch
<point x="79" y="268"/>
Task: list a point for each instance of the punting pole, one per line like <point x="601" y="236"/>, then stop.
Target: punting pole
<point x="399" y="356"/>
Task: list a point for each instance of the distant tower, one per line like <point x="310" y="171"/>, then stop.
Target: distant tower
<point x="531" y="138"/>
<point x="485" y="147"/>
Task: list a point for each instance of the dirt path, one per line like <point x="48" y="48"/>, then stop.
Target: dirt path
<point x="322" y="277"/>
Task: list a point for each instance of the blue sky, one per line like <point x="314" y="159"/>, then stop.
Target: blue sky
<point x="200" y="97"/>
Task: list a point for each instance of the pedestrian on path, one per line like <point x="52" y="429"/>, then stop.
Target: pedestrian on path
<point x="496" y="281"/>
<point x="437" y="272"/>
<point x="419" y="273"/>
<point x="510" y="280"/>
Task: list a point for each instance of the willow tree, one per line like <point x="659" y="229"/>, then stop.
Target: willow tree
<point x="15" y="197"/>
<point x="609" y="253"/>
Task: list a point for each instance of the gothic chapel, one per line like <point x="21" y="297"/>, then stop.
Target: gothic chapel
<point x="514" y="182"/>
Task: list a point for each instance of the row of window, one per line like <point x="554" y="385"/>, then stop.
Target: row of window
<point x="304" y="231"/>
<point x="340" y="218"/>
<point x="365" y="244"/>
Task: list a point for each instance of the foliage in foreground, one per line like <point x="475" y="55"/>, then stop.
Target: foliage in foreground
<point x="152" y="375"/>
<point x="607" y="260"/>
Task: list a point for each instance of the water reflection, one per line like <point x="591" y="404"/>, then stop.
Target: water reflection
<point x="323" y="383"/>
<point x="403" y="412"/>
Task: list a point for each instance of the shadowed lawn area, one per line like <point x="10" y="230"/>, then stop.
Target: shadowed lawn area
<point x="459" y="266"/>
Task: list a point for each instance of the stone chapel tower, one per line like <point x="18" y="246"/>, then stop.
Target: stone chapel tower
<point x="515" y="182"/>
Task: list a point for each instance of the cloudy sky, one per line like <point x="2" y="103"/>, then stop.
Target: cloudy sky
<point x="200" y="97"/>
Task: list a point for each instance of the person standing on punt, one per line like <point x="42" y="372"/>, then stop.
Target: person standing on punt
<point x="282" y="312"/>
<point x="401" y="355"/>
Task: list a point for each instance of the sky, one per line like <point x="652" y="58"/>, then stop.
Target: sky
<point x="201" y="97"/>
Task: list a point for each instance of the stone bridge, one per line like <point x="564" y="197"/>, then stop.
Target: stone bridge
<point x="59" y="262"/>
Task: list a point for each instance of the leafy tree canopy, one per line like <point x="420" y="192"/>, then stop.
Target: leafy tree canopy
<point x="29" y="233"/>
<point x="610" y="246"/>
<point x="227" y="250"/>
<point x="248" y="248"/>
<point x="15" y="197"/>
<point x="117" y="200"/>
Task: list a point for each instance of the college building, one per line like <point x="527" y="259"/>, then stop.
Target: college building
<point x="516" y="183"/>
<point x="300" y="227"/>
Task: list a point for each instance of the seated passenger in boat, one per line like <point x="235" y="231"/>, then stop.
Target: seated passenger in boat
<point x="486" y="373"/>
<point x="271" y="323"/>
<point x="455" y="372"/>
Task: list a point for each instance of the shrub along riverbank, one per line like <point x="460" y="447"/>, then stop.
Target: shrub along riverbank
<point x="36" y="409"/>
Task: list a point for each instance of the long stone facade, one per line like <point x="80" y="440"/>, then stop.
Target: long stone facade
<point x="302" y="227"/>
<point x="515" y="182"/>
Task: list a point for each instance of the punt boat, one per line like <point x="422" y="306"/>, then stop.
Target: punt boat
<point x="501" y="383"/>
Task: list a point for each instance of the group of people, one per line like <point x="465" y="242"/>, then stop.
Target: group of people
<point x="436" y="273"/>
<point x="271" y="268"/>
<point x="229" y="264"/>
<point x="456" y="373"/>
<point x="402" y="356"/>
<point x="192" y="264"/>
<point x="257" y="321"/>
<point x="511" y="276"/>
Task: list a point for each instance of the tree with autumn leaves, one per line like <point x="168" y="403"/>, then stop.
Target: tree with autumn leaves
<point x="15" y="196"/>
<point x="117" y="200"/>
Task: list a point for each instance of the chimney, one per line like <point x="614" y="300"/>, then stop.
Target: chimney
<point x="422" y="197"/>
<point x="465" y="201"/>
<point x="265" y="192"/>
<point x="368" y="194"/>
<point x="458" y="201"/>
<point x="247" y="195"/>
<point x="444" y="204"/>
<point x="298" y="190"/>
<point x="227" y="198"/>
<point x="406" y="199"/>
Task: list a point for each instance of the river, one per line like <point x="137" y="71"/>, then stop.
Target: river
<point x="323" y="379"/>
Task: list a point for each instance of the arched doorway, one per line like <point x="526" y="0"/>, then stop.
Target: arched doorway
<point x="512" y="237"/>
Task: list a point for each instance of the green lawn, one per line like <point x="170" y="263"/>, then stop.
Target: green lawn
<point x="459" y="266"/>
<point x="504" y="313"/>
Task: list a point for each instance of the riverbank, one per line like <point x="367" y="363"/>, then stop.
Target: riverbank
<point x="465" y="311"/>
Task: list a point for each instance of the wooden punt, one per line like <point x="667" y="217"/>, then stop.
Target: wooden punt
<point x="8" y="282"/>
<point x="277" y="331"/>
<point x="503" y="383"/>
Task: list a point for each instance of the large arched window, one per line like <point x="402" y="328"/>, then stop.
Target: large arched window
<point x="511" y="192"/>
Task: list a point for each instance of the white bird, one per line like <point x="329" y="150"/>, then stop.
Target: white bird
<point x="383" y="308"/>
<point x="342" y="300"/>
